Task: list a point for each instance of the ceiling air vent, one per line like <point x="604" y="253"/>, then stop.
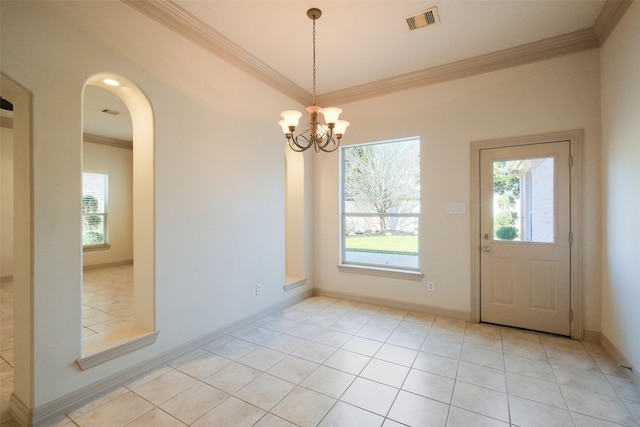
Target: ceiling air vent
<point x="423" y="19"/>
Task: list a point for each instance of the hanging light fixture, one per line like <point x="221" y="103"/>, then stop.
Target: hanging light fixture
<point x="322" y="137"/>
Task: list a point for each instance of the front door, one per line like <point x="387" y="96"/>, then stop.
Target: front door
<point x="525" y="271"/>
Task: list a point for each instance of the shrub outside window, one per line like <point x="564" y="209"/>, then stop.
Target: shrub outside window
<point x="94" y="209"/>
<point x="381" y="204"/>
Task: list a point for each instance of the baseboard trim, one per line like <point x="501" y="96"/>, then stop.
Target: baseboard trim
<point x="619" y="358"/>
<point x="457" y="314"/>
<point x="592" y="336"/>
<point x="107" y="265"/>
<point x="19" y="410"/>
<point x="65" y="404"/>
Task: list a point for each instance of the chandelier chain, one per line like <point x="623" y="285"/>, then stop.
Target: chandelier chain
<point x="314" y="61"/>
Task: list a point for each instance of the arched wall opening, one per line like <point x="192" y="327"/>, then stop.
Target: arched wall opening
<point x="103" y="347"/>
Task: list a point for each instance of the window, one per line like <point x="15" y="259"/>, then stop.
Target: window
<point x="94" y="209"/>
<point x="381" y="204"/>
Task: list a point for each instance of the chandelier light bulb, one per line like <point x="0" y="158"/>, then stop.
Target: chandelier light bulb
<point x="285" y="128"/>
<point x="331" y="114"/>
<point x="291" y="117"/>
<point x="341" y="127"/>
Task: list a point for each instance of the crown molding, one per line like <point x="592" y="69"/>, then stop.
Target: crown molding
<point x="111" y="142"/>
<point x="194" y="29"/>
<point x="494" y="61"/>
<point x="189" y="26"/>
<point x="611" y="13"/>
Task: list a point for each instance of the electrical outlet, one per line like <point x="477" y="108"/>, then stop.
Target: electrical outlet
<point x="431" y="286"/>
<point x="258" y="289"/>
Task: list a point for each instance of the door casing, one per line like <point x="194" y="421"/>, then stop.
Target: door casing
<point x="575" y="139"/>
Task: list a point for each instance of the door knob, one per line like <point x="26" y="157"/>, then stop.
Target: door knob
<point x="486" y="249"/>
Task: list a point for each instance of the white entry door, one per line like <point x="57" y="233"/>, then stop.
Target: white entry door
<point x="525" y="260"/>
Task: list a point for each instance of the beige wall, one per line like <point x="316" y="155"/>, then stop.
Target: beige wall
<point x="219" y="180"/>
<point x="6" y="202"/>
<point x="621" y="180"/>
<point x="549" y="96"/>
<point x="118" y="164"/>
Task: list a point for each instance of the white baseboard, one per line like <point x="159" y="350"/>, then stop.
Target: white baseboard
<point x="619" y="358"/>
<point x="457" y="314"/>
<point x="107" y="265"/>
<point x="51" y="411"/>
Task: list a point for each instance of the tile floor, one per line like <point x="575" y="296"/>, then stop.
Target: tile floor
<point x="330" y="362"/>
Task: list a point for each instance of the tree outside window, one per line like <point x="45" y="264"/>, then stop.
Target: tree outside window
<point x="94" y="209"/>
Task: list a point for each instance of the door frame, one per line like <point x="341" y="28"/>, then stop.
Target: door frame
<point x="575" y="142"/>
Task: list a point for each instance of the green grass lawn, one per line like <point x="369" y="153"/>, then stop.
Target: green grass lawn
<point x="401" y="245"/>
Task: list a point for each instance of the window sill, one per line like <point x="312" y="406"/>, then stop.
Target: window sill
<point x="101" y="348"/>
<point x="96" y="248"/>
<point x="381" y="272"/>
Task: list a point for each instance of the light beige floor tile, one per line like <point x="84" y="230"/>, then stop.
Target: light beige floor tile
<point x="315" y="352"/>
<point x="442" y="348"/>
<point x="321" y="320"/>
<point x="332" y="338"/>
<point x="232" y="377"/>
<point x="400" y="355"/>
<point x="374" y="332"/>
<point x="260" y="336"/>
<point x="530" y="367"/>
<point x="232" y="412"/>
<point x="597" y="405"/>
<point x="446" y="335"/>
<point x="429" y="385"/>
<point x="585" y="421"/>
<point x="262" y="358"/>
<point x="97" y="402"/>
<point x="482" y="376"/>
<point x="343" y="414"/>
<point x="390" y="423"/>
<point x="280" y="324"/>
<point x="534" y="389"/>
<point x="164" y="387"/>
<point x="462" y="418"/>
<point x="530" y="350"/>
<point x="385" y="322"/>
<point x="435" y="364"/>
<point x="527" y="413"/>
<point x="117" y="412"/>
<point x="573" y="360"/>
<point x="414" y="410"/>
<point x="346" y="326"/>
<point x="156" y="418"/>
<point x="201" y="364"/>
<point x="303" y="407"/>
<point x="634" y="408"/>
<point x="481" y="356"/>
<point x="587" y="379"/>
<point x="360" y="345"/>
<point x="347" y="361"/>
<point x="483" y="329"/>
<point x="234" y="349"/>
<point x="481" y="400"/>
<point x="483" y="341"/>
<point x="411" y="328"/>
<point x="407" y="340"/>
<point x="304" y="331"/>
<point x="384" y="372"/>
<point x="625" y="388"/>
<point x="270" y="420"/>
<point x="331" y="382"/>
<point x="370" y="395"/>
<point x="286" y="343"/>
<point x="265" y="391"/>
<point x="293" y="369"/>
<point x="194" y="402"/>
<point x="609" y="367"/>
<point x="562" y="344"/>
<point x="425" y="319"/>
<point x="595" y="349"/>
<point x="454" y="325"/>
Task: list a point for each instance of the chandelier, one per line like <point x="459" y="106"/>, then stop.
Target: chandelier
<point x="322" y="137"/>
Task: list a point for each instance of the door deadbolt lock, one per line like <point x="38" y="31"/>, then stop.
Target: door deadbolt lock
<point x="486" y="249"/>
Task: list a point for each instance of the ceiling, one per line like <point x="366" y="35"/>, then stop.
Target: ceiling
<point x="365" y="48"/>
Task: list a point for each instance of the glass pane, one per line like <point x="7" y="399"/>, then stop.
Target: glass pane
<point x="383" y="241"/>
<point x="523" y="200"/>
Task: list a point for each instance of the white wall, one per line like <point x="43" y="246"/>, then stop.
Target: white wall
<point x="621" y="180"/>
<point x="6" y="202"/>
<point x="219" y="179"/>
<point x="118" y="164"/>
<point x="554" y="95"/>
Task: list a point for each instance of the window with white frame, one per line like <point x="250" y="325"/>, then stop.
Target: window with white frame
<point x="94" y="209"/>
<point x="381" y="204"/>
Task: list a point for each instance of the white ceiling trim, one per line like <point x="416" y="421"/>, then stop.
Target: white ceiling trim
<point x="189" y="26"/>
<point x="194" y="29"/>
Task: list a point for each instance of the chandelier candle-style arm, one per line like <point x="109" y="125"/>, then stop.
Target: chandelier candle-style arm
<point x="322" y="137"/>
